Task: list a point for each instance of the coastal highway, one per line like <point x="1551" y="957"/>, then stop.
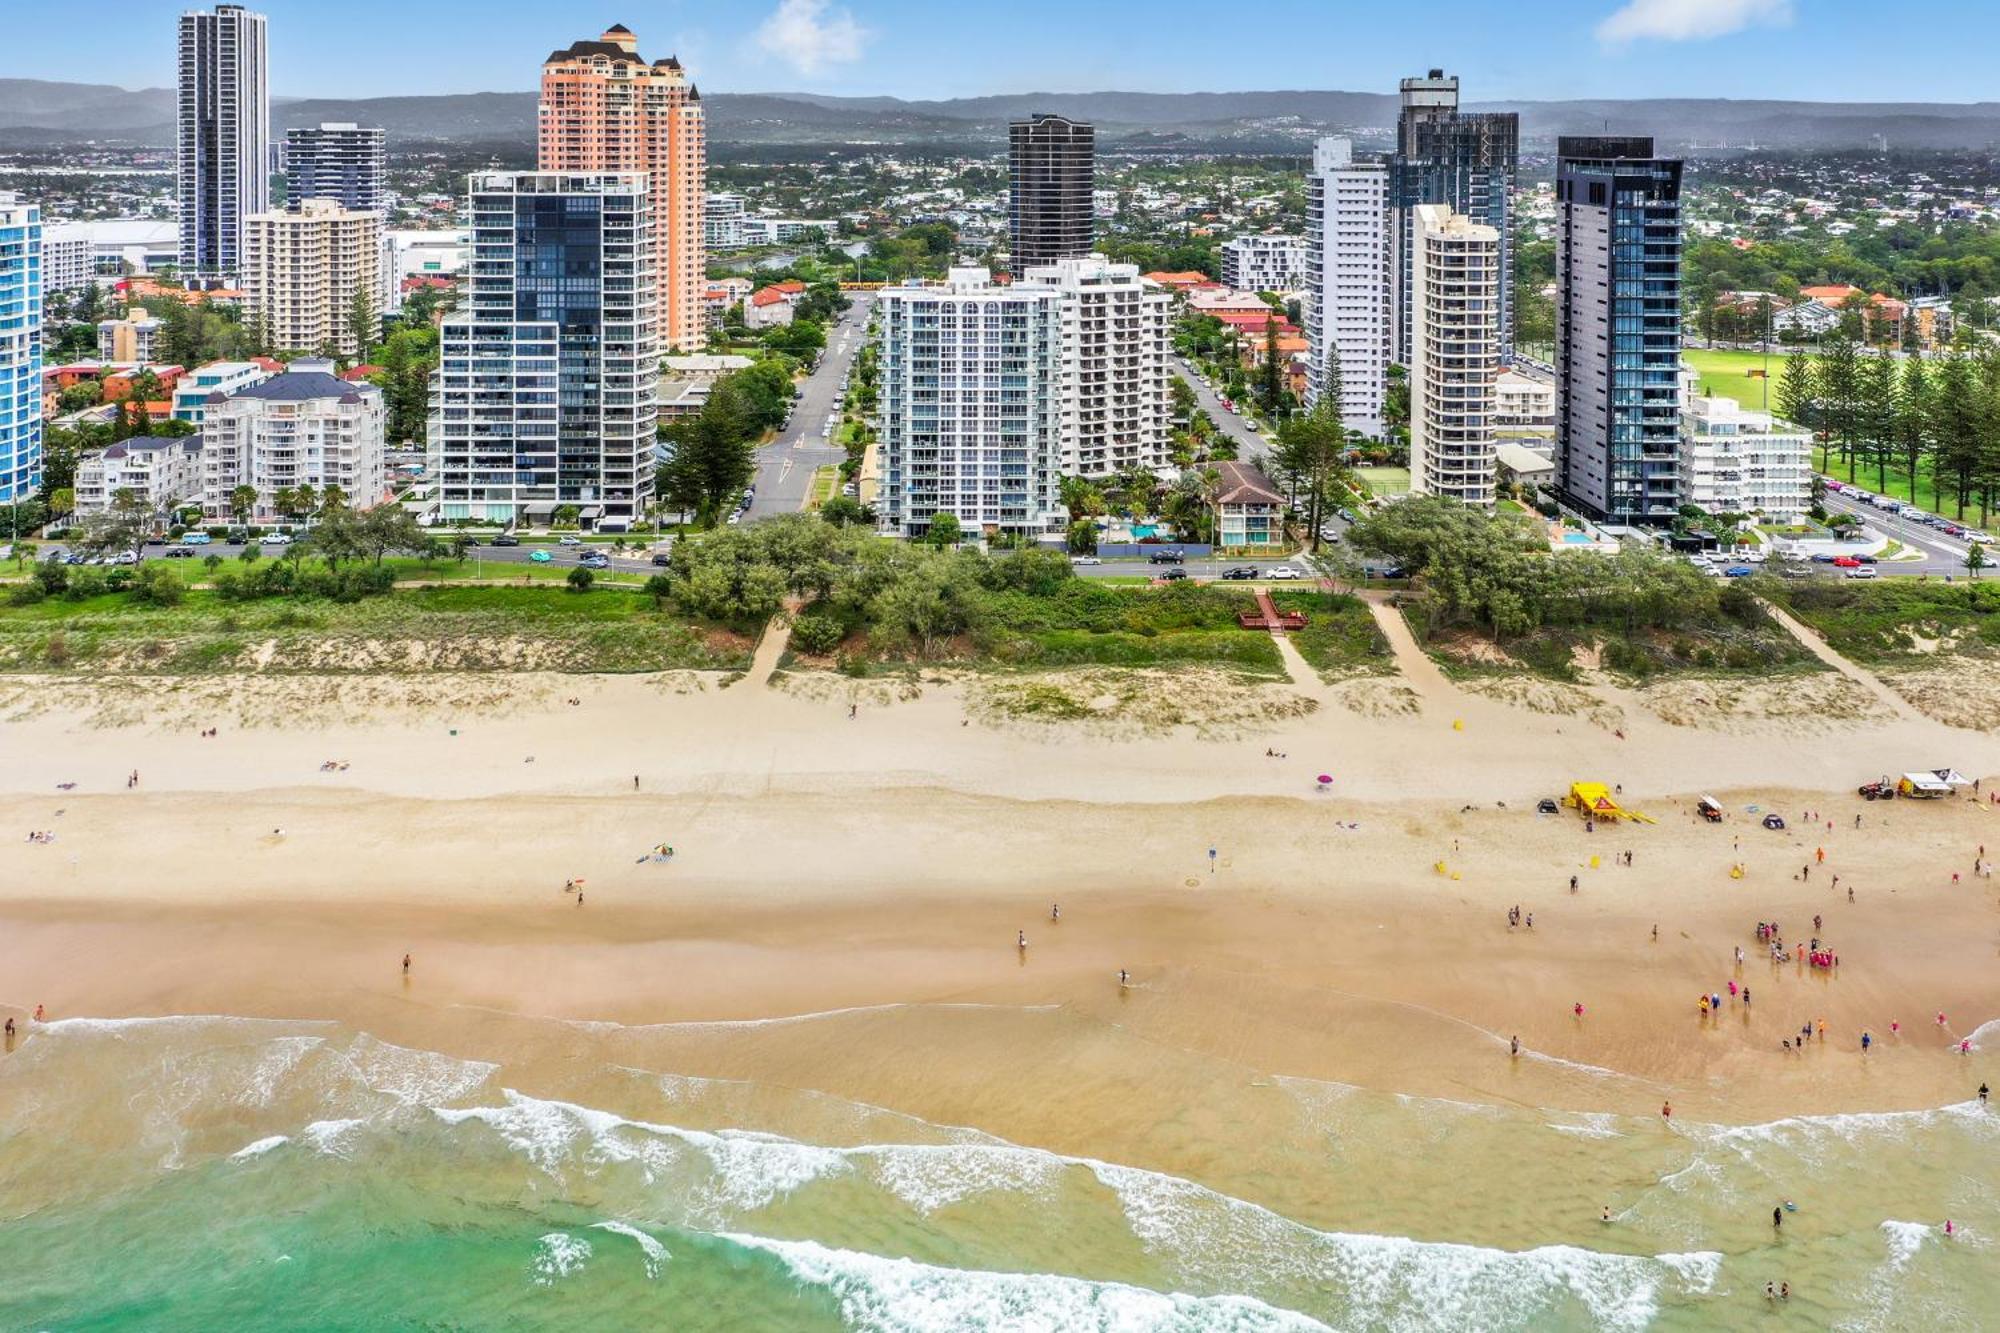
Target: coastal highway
<point x="1942" y="555"/>
<point x="785" y="466"/>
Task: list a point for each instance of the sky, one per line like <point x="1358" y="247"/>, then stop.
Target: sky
<point x="1523" y="49"/>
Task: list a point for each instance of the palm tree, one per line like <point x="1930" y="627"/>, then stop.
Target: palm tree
<point x="242" y="500"/>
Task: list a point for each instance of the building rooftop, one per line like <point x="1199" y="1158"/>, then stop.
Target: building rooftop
<point x="298" y="385"/>
<point x="1240" y="483"/>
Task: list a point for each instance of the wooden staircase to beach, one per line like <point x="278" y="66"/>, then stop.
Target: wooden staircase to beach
<point x="1267" y="616"/>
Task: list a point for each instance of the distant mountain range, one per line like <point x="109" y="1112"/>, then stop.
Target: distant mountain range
<point x="36" y="112"/>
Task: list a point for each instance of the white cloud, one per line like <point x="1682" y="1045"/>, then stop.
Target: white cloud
<point x="809" y="36"/>
<point x="1688" y="20"/>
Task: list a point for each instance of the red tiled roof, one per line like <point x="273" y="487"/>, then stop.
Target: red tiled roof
<point x="1241" y="483"/>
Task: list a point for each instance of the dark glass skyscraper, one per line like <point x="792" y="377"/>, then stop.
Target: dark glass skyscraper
<point x="1052" y="167"/>
<point x="1444" y="156"/>
<point x="334" y="161"/>
<point x="223" y="158"/>
<point x="1618" y="329"/>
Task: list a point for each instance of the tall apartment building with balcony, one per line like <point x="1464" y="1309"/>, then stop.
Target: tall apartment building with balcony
<point x="304" y="427"/>
<point x="20" y="348"/>
<point x="1346" y="305"/>
<point x="1736" y="461"/>
<point x="1051" y="174"/>
<point x="1618" y="329"/>
<point x="1112" y="382"/>
<point x="1468" y="161"/>
<point x="1264" y="263"/>
<point x="1455" y="353"/>
<point x="544" y="394"/>
<point x="605" y="109"/>
<point x="335" y="160"/>
<point x="971" y="405"/>
<point x="302" y="271"/>
<point x="223" y="153"/>
<point x="133" y="340"/>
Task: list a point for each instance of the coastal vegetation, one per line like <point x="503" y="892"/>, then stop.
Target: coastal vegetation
<point x="1489" y="595"/>
<point x="1899" y="622"/>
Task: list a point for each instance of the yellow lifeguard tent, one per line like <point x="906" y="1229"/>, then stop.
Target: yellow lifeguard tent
<point x="1594" y="799"/>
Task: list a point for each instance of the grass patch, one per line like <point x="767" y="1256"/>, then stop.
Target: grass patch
<point x="1726" y="374"/>
<point x="1926" y="494"/>
<point x="1340" y="639"/>
<point x="1722" y="647"/>
<point x="825" y="484"/>
<point x="452" y="628"/>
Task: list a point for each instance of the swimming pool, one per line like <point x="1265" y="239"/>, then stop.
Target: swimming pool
<point x="1577" y="538"/>
<point x="1141" y="531"/>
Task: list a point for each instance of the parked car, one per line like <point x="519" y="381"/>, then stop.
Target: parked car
<point x="180" y="553"/>
<point x="1879" y="790"/>
<point x="196" y="539"/>
<point x="274" y="539"/>
<point x="1738" y="572"/>
<point x="1846" y="562"/>
<point x="1239" y="573"/>
<point x="595" y="560"/>
<point x="1283" y="572"/>
<point x="1085" y="560"/>
<point x="125" y="558"/>
<point x="662" y="558"/>
<point x="569" y="539"/>
<point x="1547" y="806"/>
<point x="1166" y="557"/>
<point x="506" y="539"/>
<point x="1776" y="823"/>
<point x="1864" y="572"/>
<point x="1175" y="573"/>
<point x="540" y="557"/>
<point x="1822" y="558"/>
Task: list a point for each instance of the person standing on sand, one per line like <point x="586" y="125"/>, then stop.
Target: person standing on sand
<point x="1778" y="1218"/>
<point x="406" y="965"/>
<point x="1123" y="979"/>
<point x="1579" y="1010"/>
<point x="1607" y="1212"/>
<point x="1021" y="940"/>
<point x="41" y="1014"/>
<point x="635" y="782"/>
<point x="1666" y="1110"/>
<point x="1055" y="912"/>
<point x="1513" y="1049"/>
<point x="1866" y="1042"/>
<point x="1572" y="883"/>
<point x="10" y="1037"/>
<point x="579" y="897"/>
<point x="1982" y="1087"/>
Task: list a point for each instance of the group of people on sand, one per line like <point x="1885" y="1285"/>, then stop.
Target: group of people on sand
<point x="333" y="766"/>
<point x="41" y="835"/>
<point x="1514" y="917"/>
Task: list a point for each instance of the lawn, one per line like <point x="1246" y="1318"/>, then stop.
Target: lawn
<point x="537" y="628"/>
<point x="1726" y="374"/>
<point x="825" y="484"/>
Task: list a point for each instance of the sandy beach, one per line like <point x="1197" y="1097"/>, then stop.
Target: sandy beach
<point x="841" y="912"/>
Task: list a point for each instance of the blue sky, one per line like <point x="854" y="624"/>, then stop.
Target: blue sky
<point x="1815" y="49"/>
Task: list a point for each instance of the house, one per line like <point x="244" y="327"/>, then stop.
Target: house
<point x="1249" y="508"/>
<point x="687" y="381"/>
<point x="768" y="307"/>
<point x="1808" y="319"/>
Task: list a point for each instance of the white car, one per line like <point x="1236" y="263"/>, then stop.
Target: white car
<point x="1863" y="572"/>
<point x="1974" y="535"/>
<point x="274" y="539"/>
<point x="569" y="539"/>
<point x="1085" y="560"/>
<point x="1283" y="572"/>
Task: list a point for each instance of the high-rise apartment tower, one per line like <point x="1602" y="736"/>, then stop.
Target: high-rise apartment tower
<point x="1618" y="328"/>
<point x="1051" y="172"/>
<point x="605" y="108"/>
<point x="334" y="160"/>
<point x="223" y="162"/>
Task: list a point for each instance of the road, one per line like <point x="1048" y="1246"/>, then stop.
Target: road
<point x="1942" y="554"/>
<point x="1250" y="446"/>
<point x="785" y="466"/>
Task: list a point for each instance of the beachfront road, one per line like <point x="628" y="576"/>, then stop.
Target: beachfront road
<point x="1942" y="555"/>
<point x="785" y="467"/>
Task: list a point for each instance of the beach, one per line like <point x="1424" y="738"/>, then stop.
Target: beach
<point x="808" y="1049"/>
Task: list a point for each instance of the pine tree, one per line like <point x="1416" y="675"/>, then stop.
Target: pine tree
<point x="1878" y="413"/>
<point x="1914" y="434"/>
<point x="1840" y="393"/>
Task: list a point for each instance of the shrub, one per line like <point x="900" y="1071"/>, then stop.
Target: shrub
<point x="25" y="594"/>
<point x="156" y="585"/>
<point x="817" y="633"/>
<point x="580" y="579"/>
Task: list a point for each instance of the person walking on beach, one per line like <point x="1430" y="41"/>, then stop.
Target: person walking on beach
<point x="1513" y="1049"/>
<point x="406" y="965"/>
<point x="1607" y="1212"/>
<point x="1666" y="1110"/>
<point x="1055" y="912"/>
<point x="1778" y="1218"/>
<point x="10" y="1037"/>
<point x="41" y="1014"/>
<point x="579" y="897"/>
<point x="635" y="782"/>
<point x="1572" y="883"/>
<point x="1123" y="979"/>
<point x="1983" y="1090"/>
<point x="1866" y="1042"/>
<point x="1211" y="860"/>
<point x="1579" y="1011"/>
<point x="1021" y="940"/>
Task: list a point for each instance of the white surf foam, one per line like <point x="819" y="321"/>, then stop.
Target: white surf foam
<point x="335" y="1138"/>
<point x="903" y="1296"/>
<point x="557" y="1256"/>
<point x="1905" y="1239"/>
<point x="655" y="1253"/>
<point x="259" y="1148"/>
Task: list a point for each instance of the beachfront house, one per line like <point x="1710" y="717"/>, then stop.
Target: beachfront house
<point x="1249" y="509"/>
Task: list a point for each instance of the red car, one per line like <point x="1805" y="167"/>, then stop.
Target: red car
<point x="1846" y="562"/>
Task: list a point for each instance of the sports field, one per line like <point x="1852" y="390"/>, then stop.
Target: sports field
<point x="1728" y="375"/>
